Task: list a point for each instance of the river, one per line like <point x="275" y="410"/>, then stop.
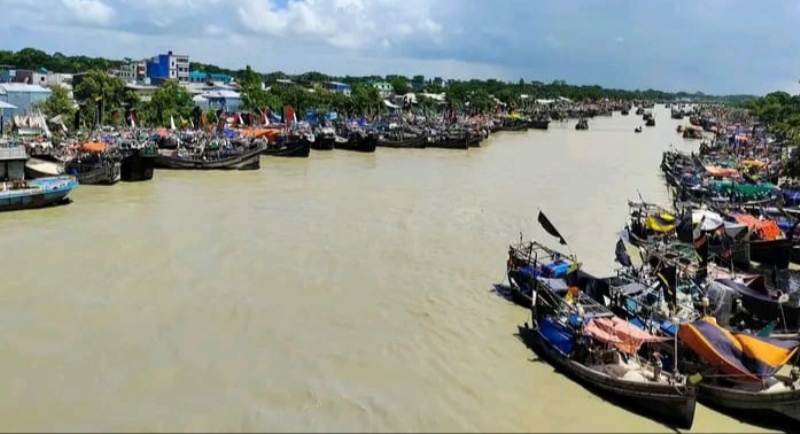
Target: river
<point x="343" y="292"/>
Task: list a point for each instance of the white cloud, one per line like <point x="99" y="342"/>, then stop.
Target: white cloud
<point x="743" y="48"/>
<point x="90" y="11"/>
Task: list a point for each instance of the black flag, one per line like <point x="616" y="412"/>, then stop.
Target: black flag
<point x="701" y="250"/>
<point x="621" y="254"/>
<point x="549" y="228"/>
<point x="668" y="278"/>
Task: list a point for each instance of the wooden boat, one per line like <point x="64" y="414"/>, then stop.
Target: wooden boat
<point x="743" y="370"/>
<point x="39" y="168"/>
<point x="294" y="147"/>
<point x="95" y="164"/>
<point x="449" y="143"/>
<point x="638" y="129"/>
<point x="625" y="112"/>
<point x="417" y="142"/>
<point x="513" y="126"/>
<point x="584" y="339"/>
<point x="539" y="123"/>
<point x="358" y="142"/>
<point x="325" y="139"/>
<point x="94" y="172"/>
<point x="138" y="164"/>
<point x="245" y="159"/>
<point x="36" y="193"/>
<point x="582" y="124"/>
<point x="529" y="259"/>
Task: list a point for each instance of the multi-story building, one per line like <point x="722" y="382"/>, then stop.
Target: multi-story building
<point x="132" y="72"/>
<point x="168" y="66"/>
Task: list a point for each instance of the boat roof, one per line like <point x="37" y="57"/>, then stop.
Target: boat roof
<point x="15" y="153"/>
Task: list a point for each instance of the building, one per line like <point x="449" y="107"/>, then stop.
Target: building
<point x="384" y="87"/>
<point x="216" y="99"/>
<point x="132" y="72"/>
<point x="205" y="77"/>
<point x="168" y="66"/>
<point x="144" y="91"/>
<point x="439" y="81"/>
<point x="23" y="96"/>
<point x="337" y="87"/>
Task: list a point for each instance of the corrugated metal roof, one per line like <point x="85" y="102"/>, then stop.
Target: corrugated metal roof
<point x="15" y="153"/>
<point x="22" y="87"/>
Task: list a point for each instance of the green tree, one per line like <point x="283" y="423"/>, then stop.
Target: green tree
<point x="59" y="103"/>
<point x="99" y="92"/>
<point x="400" y="85"/>
<point x="169" y="100"/>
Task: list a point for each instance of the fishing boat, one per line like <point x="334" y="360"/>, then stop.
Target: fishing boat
<point x="285" y="147"/>
<point x="446" y="141"/>
<point x="359" y="141"/>
<point x="625" y="112"/>
<point x="649" y="120"/>
<point x="40" y="168"/>
<point x="36" y="193"/>
<point x="539" y="123"/>
<point x="582" y="124"/>
<point x="216" y="159"/>
<point x="400" y="141"/>
<point x="586" y="341"/>
<point x="95" y="164"/>
<point x="325" y="139"/>
<point x="638" y="129"/>
<point x="738" y="372"/>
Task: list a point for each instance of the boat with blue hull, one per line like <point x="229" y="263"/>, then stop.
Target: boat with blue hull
<point x="37" y="193"/>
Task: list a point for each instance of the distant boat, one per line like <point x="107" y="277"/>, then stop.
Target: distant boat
<point x="37" y="193"/>
<point x="638" y="129"/>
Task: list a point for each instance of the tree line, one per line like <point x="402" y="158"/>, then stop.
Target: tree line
<point x="170" y="99"/>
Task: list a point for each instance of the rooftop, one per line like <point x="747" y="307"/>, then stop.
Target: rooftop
<point x="22" y="87"/>
<point x="13" y="153"/>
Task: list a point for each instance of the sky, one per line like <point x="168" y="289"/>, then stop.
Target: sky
<point x="713" y="46"/>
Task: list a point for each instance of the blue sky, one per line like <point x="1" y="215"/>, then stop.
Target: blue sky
<point x="715" y="46"/>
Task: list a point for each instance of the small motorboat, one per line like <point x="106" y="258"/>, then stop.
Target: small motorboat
<point x="638" y="129"/>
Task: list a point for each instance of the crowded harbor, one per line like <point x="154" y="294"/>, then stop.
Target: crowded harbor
<point x="702" y="306"/>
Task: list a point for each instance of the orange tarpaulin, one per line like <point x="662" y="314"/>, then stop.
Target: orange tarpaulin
<point x="269" y="133"/>
<point x="94" y="146"/>
<point x="721" y="171"/>
<point x="766" y="229"/>
<point x="746" y="357"/>
<point x="623" y="335"/>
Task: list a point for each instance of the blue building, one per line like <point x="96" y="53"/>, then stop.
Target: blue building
<point x="23" y="96"/>
<point x="204" y="77"/>
<point x="168" y="67"/>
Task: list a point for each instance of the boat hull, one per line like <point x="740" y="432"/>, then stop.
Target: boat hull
<point x="105" y="173"/>
<point x="416" y="142"/>
<point x="539" y="124"/>
<point x="54" y="191"/>
<point x="298" y="149"/>
<point x="366" y="144"/>
<point x="249" y="160"/>
<point x="785" y="403"/>
<point x="323" y="143"/>
<point x="671" y="404"/>
<point x="459" y="143"/>
<point x="138" y="166"/>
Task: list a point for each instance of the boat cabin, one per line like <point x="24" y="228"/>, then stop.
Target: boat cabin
<point x="12" y="163"/>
